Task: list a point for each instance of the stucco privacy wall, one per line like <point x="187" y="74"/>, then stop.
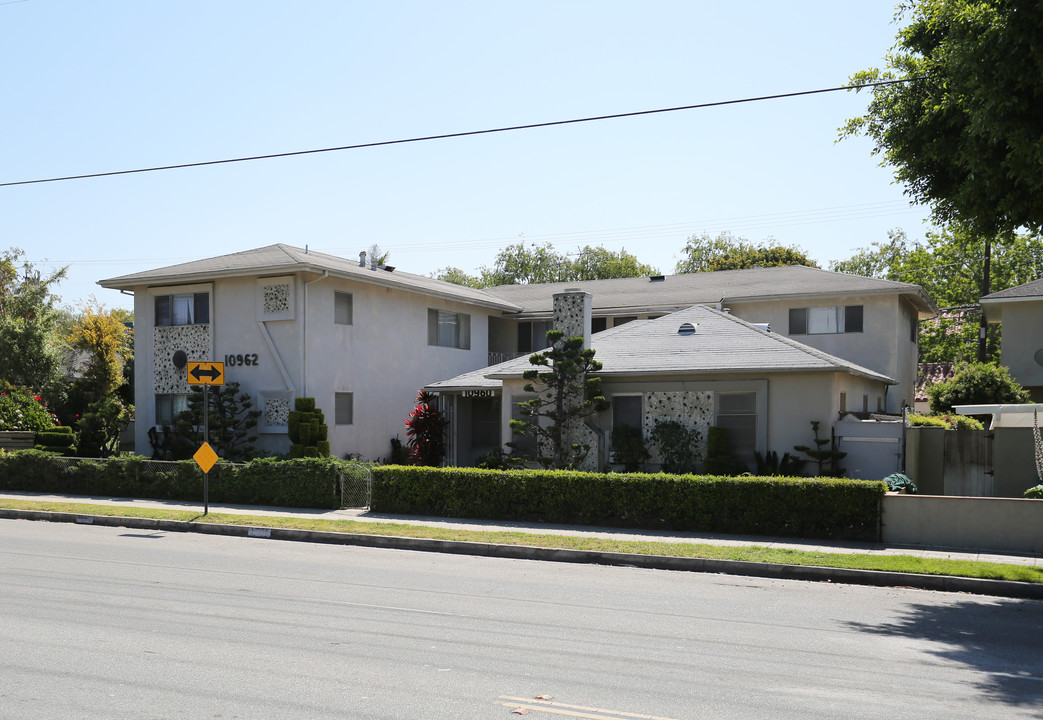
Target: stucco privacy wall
<point x="998" y="524"/>
<point x="885" y="344"/>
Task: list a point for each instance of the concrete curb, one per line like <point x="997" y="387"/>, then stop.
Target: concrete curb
<point x="943" y="583"/>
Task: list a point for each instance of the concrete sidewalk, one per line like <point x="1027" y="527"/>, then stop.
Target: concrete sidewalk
<point x="981" y="554"/>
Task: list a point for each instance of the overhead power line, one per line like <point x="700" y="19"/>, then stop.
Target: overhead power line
<point x="468" y="133"/>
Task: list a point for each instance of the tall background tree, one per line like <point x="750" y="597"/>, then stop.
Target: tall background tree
<point x="962" y="129"/>
<point x="521" y="264"/>
<point x="30" y="345"/>
<point x="99" y="397"/>
<point x="705" y="253"/>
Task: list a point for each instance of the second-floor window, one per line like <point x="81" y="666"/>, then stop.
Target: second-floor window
<point x="448" y="329"/>
<point x="343" y="309"/>
<point x="183" y="309"/>
<point x="825" y="320"/>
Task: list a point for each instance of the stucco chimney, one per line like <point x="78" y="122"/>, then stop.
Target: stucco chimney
<point x="362" y="259"/>
<point x="572" y="311"/>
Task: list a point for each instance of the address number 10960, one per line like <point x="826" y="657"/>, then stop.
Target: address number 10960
<point x="244" y="359"/>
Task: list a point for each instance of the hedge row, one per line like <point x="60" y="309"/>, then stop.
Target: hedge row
<point x="790" y="507"/>
<point x="306" y="482"/>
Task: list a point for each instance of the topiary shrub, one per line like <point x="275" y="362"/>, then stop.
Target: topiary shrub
<point x="718" y="461"/>
<point x="58" y="439"/>
<point x="308" y="430"/>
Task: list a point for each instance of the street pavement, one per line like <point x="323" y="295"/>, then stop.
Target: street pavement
<point x="736" y="567"/>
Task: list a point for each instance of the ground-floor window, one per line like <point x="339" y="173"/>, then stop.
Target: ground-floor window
<point x="626" y="412"/>
<point x="169" y="406"/>
<point x="737" y="413"/>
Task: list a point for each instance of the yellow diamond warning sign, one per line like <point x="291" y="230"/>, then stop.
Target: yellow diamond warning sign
<point x="205" y="457"/>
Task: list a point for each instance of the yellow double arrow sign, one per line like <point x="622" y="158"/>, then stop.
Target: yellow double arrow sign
<point x="206" y="373"/>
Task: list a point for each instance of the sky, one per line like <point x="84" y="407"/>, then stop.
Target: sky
<point x="119" y="85"/>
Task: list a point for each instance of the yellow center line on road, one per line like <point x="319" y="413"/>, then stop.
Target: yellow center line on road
<point x="571" y="710"/>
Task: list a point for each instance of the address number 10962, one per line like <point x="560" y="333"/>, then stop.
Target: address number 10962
<point x="244" y="359"/>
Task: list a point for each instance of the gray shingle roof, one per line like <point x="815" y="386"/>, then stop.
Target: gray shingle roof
<point x="721" y="344"/>
<point x="282" y="258"/>
<point x="1028" y="290"/>
<point x="674" y="292"/>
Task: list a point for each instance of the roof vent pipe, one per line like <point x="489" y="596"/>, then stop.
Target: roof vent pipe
<point x="362" y="259"/>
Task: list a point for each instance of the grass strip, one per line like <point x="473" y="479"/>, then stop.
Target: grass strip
<point x="749" y="553"/>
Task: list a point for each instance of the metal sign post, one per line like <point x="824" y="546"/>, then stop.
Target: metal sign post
<point x="206" y="374"/>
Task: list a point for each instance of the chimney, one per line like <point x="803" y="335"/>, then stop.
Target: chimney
<point x="572" y="311"/>
<point x="362" y="259"/>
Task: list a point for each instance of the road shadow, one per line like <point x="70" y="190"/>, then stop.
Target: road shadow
<point x="1001" y="639"/>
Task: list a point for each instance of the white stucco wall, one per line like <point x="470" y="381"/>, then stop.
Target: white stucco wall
<point x="383" y="358"/>
<point x="1022" y="338"/>
<point x="787" y="403"/>
<point x="884" y="345"/>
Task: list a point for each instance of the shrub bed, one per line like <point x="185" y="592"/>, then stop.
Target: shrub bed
<point x="305" y="482"/>
<point x="791" y="507"/>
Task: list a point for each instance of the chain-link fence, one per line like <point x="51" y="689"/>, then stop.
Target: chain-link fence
<point x="356" y="488"/>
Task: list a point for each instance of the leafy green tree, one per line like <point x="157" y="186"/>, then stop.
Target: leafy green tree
<point x="455" y="275"/>
<point x="565" y="393"/>
<point x="976" y="384"/>
<point x="519" y="264"/>
<point x="962" y="134"/>
<point x="597" y="263"/>
<point x="704" y="253"/>
<point x="962" y="131"/>
<point x="30" y="346"/>
<point x="98" y="429"/>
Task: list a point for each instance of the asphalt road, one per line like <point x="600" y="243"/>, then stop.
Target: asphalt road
<point x="102" y="622"/>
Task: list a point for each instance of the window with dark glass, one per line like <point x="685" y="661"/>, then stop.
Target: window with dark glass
<point x="825" y="320"/>
<point x="342" y="308"/>
<point x="532" y="335"/>
<point x="448" y="329"/>
<point x="626" y="412"/>
<point x="183" y="309"/>
<point x="737" y="413"/>
<point x="344" y="408"/>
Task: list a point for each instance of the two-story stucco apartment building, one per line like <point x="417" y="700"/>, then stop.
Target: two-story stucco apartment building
<point x="363" y="339"/>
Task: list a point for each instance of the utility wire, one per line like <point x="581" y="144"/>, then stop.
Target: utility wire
<point x="460" y="134"/>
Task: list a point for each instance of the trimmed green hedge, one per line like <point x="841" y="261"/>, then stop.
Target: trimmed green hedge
<point x="307" y="482"/>
<point x="791" y="507"/>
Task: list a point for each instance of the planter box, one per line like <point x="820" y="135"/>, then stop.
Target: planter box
<point x="17" y="439"/>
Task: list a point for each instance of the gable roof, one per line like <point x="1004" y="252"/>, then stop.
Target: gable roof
<point x="721" y="344"/>
<point x="675" y="292"/>
<point x="280" y="258"/>
<point x="1032" y="289"/>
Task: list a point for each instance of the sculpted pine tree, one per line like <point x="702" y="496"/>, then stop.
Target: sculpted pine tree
<point x="565" y="394"/>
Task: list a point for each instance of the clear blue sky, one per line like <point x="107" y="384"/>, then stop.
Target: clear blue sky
<point x="115" y="85"/>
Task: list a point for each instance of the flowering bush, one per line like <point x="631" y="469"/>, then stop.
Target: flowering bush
<point x="23" y="410"/>
<point x="425" y="428"/>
